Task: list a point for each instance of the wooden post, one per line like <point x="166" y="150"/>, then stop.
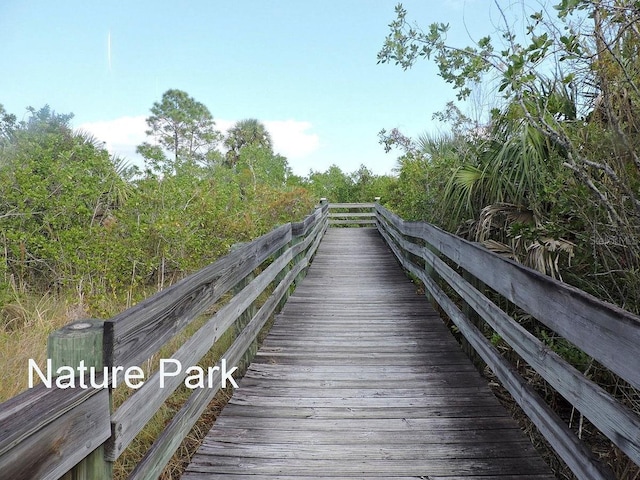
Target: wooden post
<point x="242" y="321"/>
<point x="475" y="319"/>
<point x="281" y="276"/>
<point x="73" y="343"/>
<point x="431" y="273"/>
<point x="245" y="317"/>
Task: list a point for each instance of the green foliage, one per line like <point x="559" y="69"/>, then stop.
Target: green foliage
<point x="360" y="186"/>
<point x="557" y="168"/>
<point x="57" y="187"/>
<point x="74" y="219"/>
<point x="407" y="43"/>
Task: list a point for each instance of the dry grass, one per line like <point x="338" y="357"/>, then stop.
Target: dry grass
<point x="27" y="321"/>
<point x="25" y="324"/>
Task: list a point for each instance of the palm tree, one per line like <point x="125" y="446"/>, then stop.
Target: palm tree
<point x="244" y="133"/>
<point x="501" y="196"/>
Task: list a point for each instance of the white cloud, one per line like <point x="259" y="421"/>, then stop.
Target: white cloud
<point x="121" y="135"/>
<point x="291" y="138"/>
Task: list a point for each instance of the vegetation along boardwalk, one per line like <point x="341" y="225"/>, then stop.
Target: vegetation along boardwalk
<point x="359" y="378"/>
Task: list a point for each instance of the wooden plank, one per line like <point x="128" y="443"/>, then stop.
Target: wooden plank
<point x="361" y="379"/>
<point x="344" y="437"/>
<point x="486" y="408"/>
<point x="371" y="215"/>
<point x="351" y="205"/>
<point x="357" y="402"/>
<point x="577" y="456"/>
<point x="608" y="333"/>
<point x="140" y="407"/>
<point x="381" y="467"/>
<point x="301" y="229"/>
<point x="44" y="432"/>
<point x="351" y="222"/>
<point x="169" y="440"/>
<point x="250" y="476"/>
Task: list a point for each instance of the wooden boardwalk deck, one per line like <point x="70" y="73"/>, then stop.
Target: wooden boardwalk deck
<point x="359" y="378"/>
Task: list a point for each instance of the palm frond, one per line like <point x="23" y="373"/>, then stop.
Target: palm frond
<point x="503" y="215"/>
<point x="544" y="254"/>
<point x="502" y="249"/>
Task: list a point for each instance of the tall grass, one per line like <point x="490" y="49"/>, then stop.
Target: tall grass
<point x="26" y="320"/>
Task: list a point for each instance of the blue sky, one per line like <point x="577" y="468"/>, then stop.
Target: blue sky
<point x="306" y="69"/>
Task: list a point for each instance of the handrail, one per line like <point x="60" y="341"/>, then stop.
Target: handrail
<point x="352" y="214"/>
<point x="607" y="333"/>
<point x="46" y="432"/>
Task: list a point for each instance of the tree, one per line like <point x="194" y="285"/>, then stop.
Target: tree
<point x="261" y="166"/>
<point x="184" y="128"/>
<point x="248" y="132"/>
<point x="57" y="189"/>
<point x="601" y="59"/>
<point x="574" y="81"/>
<point x="7" y="127"/>
<point x="334" y="185"/>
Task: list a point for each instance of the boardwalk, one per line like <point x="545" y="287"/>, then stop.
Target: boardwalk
<point x="359" y="378"/>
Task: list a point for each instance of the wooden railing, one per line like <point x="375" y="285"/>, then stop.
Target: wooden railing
<point x="610" y="335"/>
<point x="352" y="214"/>
<point x="50" y="432"/>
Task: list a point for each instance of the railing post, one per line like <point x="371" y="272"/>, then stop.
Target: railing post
<point x="77" y="342"/>
<point x="242" y="321"/>
<point x="475" y="319"/>
<point x="283" y="274"/>
<point x="244" y="318"/>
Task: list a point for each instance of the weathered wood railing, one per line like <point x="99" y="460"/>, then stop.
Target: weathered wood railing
<point x="352" y="214"/>
<point x="610" y="335"/>
<point x="51" y="432"/>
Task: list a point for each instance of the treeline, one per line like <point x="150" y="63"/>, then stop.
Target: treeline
<point x="79" y="223"/>
<point x="359" y="186"/>
<point x="76" y="221"/>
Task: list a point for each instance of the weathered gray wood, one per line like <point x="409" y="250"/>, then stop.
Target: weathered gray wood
<point x="607" y="333"/>
<point x="301" y="229"/>
<point x="360" y="206"/>
<point x="615" y="420"/>
<point x="352" y="215"/>
<point x="266" y="466"/>
<point x="345" y="437"/>
<point x="45" y="432"/>
<point x="246" y="316"/>
<point x="352" y="222"/>
<point x="361" y="378"/>
<point x="139" y="332"/>
<point x="577" y="456"/>
<point x="374" y="476"/>
<point x="74" y="345"/>
<point x="140" y="407"/>
<point x="166" y="444"/>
